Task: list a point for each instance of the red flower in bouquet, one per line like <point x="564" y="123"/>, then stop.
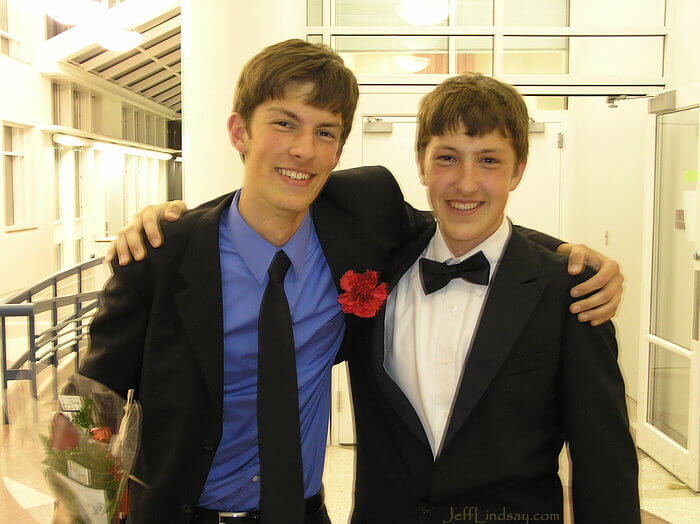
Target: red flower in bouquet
<point x="63" y="433"/>
<point x="101" y="434"/>
<point x="364" y="295"/>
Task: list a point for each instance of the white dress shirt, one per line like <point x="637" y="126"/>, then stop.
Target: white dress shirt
<point x="425" y="351"/>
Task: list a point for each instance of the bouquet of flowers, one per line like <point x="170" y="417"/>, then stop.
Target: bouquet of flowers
<point x="90" y="450"/>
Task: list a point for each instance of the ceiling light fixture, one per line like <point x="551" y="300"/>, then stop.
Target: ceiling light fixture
<point x="68" y="140"/>
<point x="73" y="12"/>
<point x="119" y="39"/>
<point x="411" y="63"/>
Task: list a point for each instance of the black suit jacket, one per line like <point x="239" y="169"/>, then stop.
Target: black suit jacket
<point x="160" y="330"/>
<point x="534" y="378"/>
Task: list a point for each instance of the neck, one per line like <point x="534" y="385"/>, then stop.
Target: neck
<point x="275" y="227"/>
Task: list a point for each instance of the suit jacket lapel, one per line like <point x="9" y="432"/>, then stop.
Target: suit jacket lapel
<point x="511" y="298"/>
<point x="400" y="262"/>
<point x="200" y="304"/>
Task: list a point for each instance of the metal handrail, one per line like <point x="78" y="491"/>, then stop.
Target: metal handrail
<point x="44" y="349"/>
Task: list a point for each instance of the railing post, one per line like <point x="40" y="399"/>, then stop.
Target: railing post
<point x="54" y="344"/>
<point x="3" y="369"/>
<point x="32" y="356"/>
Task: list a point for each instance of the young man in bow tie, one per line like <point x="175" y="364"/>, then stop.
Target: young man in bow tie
<point x="360" y="222"/>
<point x="476" y="372"/>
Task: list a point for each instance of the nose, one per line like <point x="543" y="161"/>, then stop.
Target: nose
<point x="302" y="146"/>
<point x="467" y="179"/>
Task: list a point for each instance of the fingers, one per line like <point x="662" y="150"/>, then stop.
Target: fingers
<point x="121" y="246"/>
<point x="577" y="258"/>
<point x="601" y="306"/>
<point x="609" y="269"/>
<point x="149" y="216"/>
<point x="134" y="240"/>
<point x="174" y="210"/>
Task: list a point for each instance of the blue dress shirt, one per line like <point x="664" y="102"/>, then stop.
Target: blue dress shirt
<point x="233" y="481"/>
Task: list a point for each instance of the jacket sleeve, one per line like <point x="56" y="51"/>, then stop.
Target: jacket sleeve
<point x="603" y="454"/>
<point x="117" y="333"/>
<point x="546" y="241"/>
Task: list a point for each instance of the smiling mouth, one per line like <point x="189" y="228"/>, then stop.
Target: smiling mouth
<point x="463" y="206"/>
<point x="294" y="175"/>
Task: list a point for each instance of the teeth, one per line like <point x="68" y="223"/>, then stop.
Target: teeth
<point x="296" y="175"/>
<point x="464" y="206"/>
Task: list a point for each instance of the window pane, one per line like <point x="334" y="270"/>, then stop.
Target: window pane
<point x="8" y="169"/>
<point x="78" y="250"/>
<point x="621" y="56"/>
<point x="393" y="55"/>
<point x="77" y="113"/>
<point x="391" y="12"/>
<point x="314" y="12"/>
<point x="473" y="12"/>
<point x="552" y="103"/>
<point x="670" y="393"/>
<point x="542" y="12"/>
<point x="57" y="182"/>
<point x="475" y="54"/>
<point x="528" y="55"/>
<point x="677" y="153"/>
<point x="7" y="139"/>
<point x="55" y="104"/>
<point x="3" y="16"/>
<point x="314" y="39"/>
<point x="58" y="253"/>
<point x="76" y="183"/>
<point x="4" y="46"/>
<point x="604" y="13"/>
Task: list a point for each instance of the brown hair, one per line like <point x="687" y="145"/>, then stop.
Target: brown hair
<point x="268" y="73"/>
<point x="481" y="104"/>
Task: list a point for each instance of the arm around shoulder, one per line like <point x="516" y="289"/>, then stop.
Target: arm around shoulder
<point x="593" y="405"/>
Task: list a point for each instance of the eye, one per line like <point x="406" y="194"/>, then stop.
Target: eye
<point x="490" y="160"/>
<point x="282" y="123"/>
<point x="326" y="134"/>
<point x="445" y="158"/>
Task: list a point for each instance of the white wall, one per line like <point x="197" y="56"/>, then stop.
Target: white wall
<point x="25" y="254"/>
<point x="218" y="38"/>
<point x="682" y="59"/>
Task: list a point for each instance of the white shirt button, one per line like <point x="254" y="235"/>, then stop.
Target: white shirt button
<point x="453" y="308"/>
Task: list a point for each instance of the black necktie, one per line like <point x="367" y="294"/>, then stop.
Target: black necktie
<point x="436" y="275"/>
<point x="279" y="439"/>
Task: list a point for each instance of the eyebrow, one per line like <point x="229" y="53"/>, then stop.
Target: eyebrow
<point x="480" y="151"/>
<point x="293" y="115"/>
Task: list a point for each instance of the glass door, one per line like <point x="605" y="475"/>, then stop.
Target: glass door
<point x="668" y="416"/>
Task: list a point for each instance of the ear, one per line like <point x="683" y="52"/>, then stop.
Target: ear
<point x="237" y="133"/>
<point x="421" y="173"/>
<point x="518" y="175"/>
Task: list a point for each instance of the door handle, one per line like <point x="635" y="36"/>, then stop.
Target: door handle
<point x="696" y="255"/>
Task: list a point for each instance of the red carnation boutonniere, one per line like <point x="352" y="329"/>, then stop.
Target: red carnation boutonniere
<point x="364" y="295"/>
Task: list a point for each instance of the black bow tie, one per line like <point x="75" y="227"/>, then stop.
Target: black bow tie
<point x="436" y="275"/>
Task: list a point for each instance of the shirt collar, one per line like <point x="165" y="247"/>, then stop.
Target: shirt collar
<point x="256" y="252"/>
<point x="492" y="247"/>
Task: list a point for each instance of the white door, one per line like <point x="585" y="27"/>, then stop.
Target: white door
<point x="668" y="413"/>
